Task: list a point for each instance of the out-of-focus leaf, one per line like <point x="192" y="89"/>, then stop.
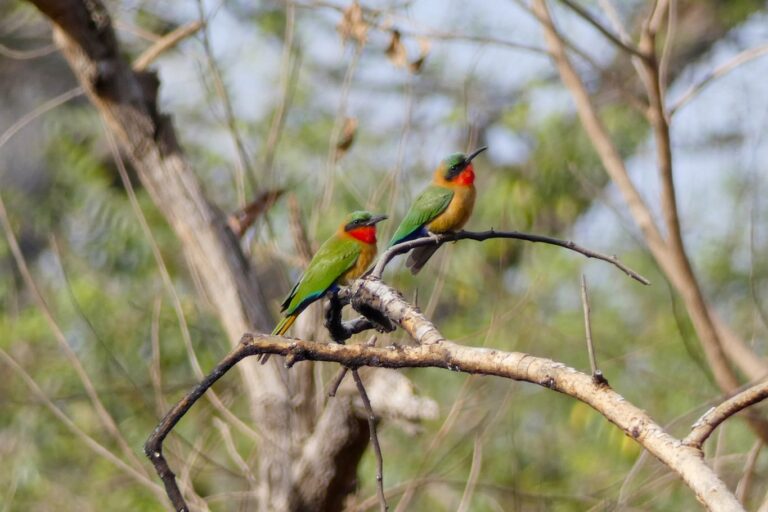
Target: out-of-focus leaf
<point x="396" y="52"/>
<point x="241" y="220"/>
<point x="347" y="137"/>
<point x="424" y="47"/>
<point x="353" y="25"/>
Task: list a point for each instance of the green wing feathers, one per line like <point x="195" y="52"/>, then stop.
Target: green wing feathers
<point x="428" y="205"/>
<point x="332" y="260"/>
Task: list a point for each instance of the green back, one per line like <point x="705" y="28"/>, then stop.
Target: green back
<point x="430" y="203"/>
<point x="334" y="258"/>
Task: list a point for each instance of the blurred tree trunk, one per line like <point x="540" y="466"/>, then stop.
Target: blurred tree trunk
<point x="127" y="102"/>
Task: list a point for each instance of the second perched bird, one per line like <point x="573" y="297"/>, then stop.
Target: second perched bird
<point x="444" y="206"/>
<point x="341" y="259"/>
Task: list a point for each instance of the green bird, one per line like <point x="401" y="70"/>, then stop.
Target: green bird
<point x="444" y="206"/>
<point x="340" y="260"/>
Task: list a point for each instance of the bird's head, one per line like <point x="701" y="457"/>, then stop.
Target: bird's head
<point x="362" y="226"/>
<point x="457" y="168"/>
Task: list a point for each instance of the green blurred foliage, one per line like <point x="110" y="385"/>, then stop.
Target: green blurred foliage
<point x="97" y="272"/>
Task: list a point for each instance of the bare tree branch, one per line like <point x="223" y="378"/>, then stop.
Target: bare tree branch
<point x="374" y="440"/>
<point x="442" y="238"/>
<point x="165" y="43"/>
<point x="243" y="169"/>
<point x="707" y="424"/>
<point x="720" y="71"/>
<point x="616" y="40"/>
<point x="596" y="373"/>
<point x="682" y="459"/>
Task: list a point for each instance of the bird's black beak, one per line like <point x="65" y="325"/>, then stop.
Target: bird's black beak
<point x="375" y="219"/>
<point x="475" y="153"/>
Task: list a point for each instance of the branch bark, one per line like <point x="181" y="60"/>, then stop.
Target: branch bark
<point x="686" y="461"/>
<point x="707" y="424"/>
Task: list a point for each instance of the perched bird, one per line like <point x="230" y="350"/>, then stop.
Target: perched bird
<point x="444" y="206"/>
<point x="341" y="259"/>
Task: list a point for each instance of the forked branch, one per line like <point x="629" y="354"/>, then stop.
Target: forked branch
<point x="684" y="460"/>
<point x="435" y="351"/>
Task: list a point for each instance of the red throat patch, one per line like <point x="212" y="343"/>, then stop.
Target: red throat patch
<point x="467" y="176"/>
<point x="366" y="234"/>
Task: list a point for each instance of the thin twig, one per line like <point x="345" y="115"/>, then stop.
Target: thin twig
<point x="36" y="53"/>
<point x="474" y="473"/>
<point x="105" y="417"/>
<point x="374" y="440"/>
<point x="334" y="388"/>
<point x="616" y="40"/>
<point x="597" y="375"/>
<point x="38" y="111"/>
<point x="343" y="371"/>
<point x="745" y="483"/>
<point x="165" y="43"/>
<point x="723" y="69"/>
<point x="243" y="168"/>
<point x="155" y="368"/>
<point x="666" y="52"/>
<point x="94" y="445"/>
<point x="289" y="68"/>
<point x="153" y="448"/>
<point x="440" y="239"/>
<point x="705" y="425"/>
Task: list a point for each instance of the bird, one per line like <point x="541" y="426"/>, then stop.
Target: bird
<point x="444" y="206"/>
<point x="339" y="261"/>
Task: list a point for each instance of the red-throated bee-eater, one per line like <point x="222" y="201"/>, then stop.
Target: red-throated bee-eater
<point x="444" y="206"/>
<point x="340" y="260"/>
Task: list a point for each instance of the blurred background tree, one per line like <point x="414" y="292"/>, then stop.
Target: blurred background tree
<point x="264" y="99"/>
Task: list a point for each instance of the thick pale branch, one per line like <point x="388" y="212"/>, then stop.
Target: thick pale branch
<point x="434" y="350"/>
<point x="684" y="460"/>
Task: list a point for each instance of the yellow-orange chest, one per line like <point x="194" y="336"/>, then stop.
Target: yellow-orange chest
<point x="367" y="254"/>
<point x="458" y="212"/>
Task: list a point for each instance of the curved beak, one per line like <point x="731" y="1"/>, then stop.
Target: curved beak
<point x="375" y="219"/>
<point x="475" y="153"/>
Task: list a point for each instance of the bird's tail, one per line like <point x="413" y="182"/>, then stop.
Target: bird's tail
<point x="279" y="330"/>
<point x="284" y="325"/>
<point x="419" y="257"/>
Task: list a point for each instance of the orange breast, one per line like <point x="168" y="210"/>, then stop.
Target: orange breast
<point x="458" y="212"/>
<point x="367" y="254"/>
